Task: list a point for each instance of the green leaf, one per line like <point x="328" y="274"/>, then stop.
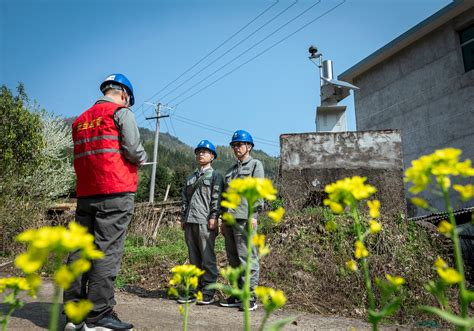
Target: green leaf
<point x="451" y="318"/>
<point x="278" y="325"/>
<point x="389" y="309"/>
<point x="469" y="296"/>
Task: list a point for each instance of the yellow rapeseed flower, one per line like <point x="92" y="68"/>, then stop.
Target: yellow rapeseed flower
<point x="199" y="296"/>
<point x="445" y="228"/>
<point x="278" y="298"/>
<point x="351" y="265"/>
<point x="228" y="218"/>
<point x="335" y="207"/>
<point x="346" y="192"/>
<point x="277" y="214"/>
<point x="440" y="263"/>
<point x="193" y="281"/>
<point x="30" y="262"/>
<point x="258" y="240"/>
<point x="422" y="203"/>
<point x="80" y="266"/>
<point x="360" y="250"/>
<point x="374" y="208"/>
<point x="16" y="283"/>
<point x="77" y="311"/>
<point x="63" y="277"/>
<point x="441" y="164"/>
<point x="172" y="292"/>
<point x="449" y="275"/>
<point x="397" y="281"/>
<point x="270" y="298"/>
<point x="375" y="227"/>
<point x="466" y="192"/>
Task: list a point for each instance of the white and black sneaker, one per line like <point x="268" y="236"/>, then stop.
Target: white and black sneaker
<point x="252" y="305"/>
<point x="108" y="323"/>
<point x="71" y="326"/>
<point x="207" y="299"/>
<point x="232" y="302"/>
<point x="190" y="299"/>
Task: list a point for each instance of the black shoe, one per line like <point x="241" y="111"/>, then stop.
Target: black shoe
<point x="252" y="305"/>
<point x="107" y="323"/>
<point x="190" y="299"/>
<point x="230" y="302"/>
<point x="207" y="299"/>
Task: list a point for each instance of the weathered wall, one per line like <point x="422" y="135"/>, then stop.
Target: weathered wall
<point x="424" y="92"/>
<point x="310" y="161"/>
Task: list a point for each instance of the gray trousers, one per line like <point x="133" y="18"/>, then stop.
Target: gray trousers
<point x="201" y="242"/>
<point x="107" y="218"/>
<point x="236" y="249"/>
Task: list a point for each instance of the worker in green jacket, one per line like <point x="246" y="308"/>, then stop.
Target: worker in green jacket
<point x="201" y="198"/>
<point x="236" y="235"/>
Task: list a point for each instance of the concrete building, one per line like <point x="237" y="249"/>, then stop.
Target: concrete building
<point x="310" y="161"/>
<point x="422" y="83"/>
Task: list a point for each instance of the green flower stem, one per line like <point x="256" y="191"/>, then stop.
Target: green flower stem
<point x="457" y="256"/>
<point x="246" y="292"/>
<point x="365" y="265"/>
<point x="186" y="308"/>
<point x="6" y="319"/>
<point x="53" y="321"/>
<point x="264" y="321"/>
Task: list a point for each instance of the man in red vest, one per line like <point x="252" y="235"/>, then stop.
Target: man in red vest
<point x="107" y="153"/>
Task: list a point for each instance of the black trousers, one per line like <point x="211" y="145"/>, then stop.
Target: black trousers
<point x="107" y="218"/>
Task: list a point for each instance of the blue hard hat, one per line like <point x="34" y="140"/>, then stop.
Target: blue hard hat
<point x="242" y="136"/>
<point x="120" y="80"/>
<point x="207" y="145"/>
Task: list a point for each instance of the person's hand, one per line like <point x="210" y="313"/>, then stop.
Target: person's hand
<point x="254" y="224"/>
<point x="222" y="228"/>
<point x="212" y="224"/>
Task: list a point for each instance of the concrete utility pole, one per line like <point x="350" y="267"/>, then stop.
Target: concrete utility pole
<point x="151" y="197"/>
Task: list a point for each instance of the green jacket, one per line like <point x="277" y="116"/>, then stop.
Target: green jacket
<point x="202" y="196"/>
<point x="249" y="168"/>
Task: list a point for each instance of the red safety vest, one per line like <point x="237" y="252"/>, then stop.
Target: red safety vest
<point x="99" y="163"/>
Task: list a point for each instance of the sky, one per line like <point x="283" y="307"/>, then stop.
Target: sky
<point x="259" y="79"/>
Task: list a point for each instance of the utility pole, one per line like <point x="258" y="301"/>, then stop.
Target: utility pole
<point x="151" y="197"/>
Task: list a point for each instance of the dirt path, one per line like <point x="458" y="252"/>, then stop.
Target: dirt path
<point x="162" y="314"/>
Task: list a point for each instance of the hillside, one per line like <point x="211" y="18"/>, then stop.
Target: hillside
<point x="176" y="160"/>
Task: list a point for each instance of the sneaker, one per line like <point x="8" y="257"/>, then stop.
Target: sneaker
<point x="207" y="299"/>
<point x="231" y="302"/>
<point x="252" y="305"/>
<point x="70" y="326"/>
<point x="190" y="299"/>
<point x="107" y="323"/>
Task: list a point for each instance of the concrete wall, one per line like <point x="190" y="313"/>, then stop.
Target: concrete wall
<point x="424" y="92"/>
<point x="310" y="161"/>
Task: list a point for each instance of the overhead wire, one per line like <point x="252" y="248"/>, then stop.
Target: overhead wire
<point x="215" y="127"/>
<point x="215" y="49"/>
<point x="221" y="130"/>
<point x="232" y="48"/>
<point x="247" y="50"/>
<point x="261" y="53"/>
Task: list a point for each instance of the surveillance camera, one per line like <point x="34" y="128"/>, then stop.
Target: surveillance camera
<point x="312" y="50"/>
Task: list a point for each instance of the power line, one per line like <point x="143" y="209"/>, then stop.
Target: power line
<point x="225" y="130"/>
<point x="215" y="49"/>
<point x="233" y="47"/>
<point x="172" y="127"/>
<point x="221" y="130"/>
<point x="248" y="49"/>
<point x="261" y="53"/>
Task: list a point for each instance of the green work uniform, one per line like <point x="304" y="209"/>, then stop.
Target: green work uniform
<point x="236" y="235"/>
<point x="201" y="201"/>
